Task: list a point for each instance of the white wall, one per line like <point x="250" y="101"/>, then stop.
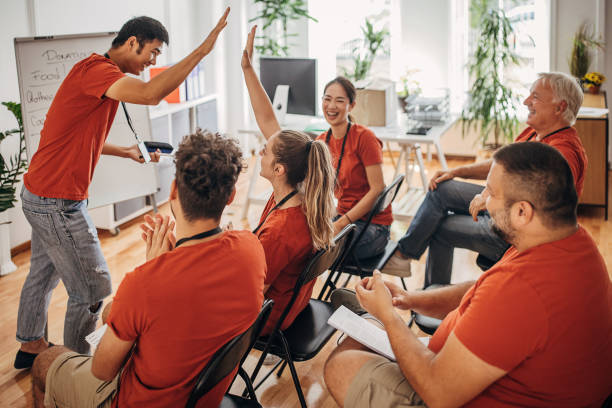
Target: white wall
<point x="426" y="42"/>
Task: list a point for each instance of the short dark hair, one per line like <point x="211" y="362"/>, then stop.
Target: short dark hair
<point x="207" y="168"/>
<point x="346" y="84"/>
<point x="144" y="28"/>
<point x="539" y="174"/>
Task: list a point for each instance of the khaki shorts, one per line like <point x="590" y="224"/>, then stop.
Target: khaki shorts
<point x="380" y="383"/>
<point x="70" y="383"/>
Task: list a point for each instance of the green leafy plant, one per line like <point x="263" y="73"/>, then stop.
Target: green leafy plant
<point x="363" y="57"/>
<point x="492" y="105"/>
<point x="283" y="11"/>
<point x="584" y="44"/>
<point x="17" y="164"/>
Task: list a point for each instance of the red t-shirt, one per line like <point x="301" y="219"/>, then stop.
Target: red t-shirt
<point x="74" y="132"/>
<point x="362" y="149"/>
<point x="569" y="145"/>
<point x="545" y="316"/>
<point x="180" y="308"/>
<point x="286" y="240"/>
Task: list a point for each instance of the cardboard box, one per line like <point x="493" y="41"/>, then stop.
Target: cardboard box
<point x="178" y="95"/>
<point x="376" y="104"/>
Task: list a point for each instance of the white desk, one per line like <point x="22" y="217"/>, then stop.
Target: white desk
<point x="396" y="134"/>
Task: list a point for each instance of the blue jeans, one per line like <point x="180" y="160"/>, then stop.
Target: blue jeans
<point x="374" y="239"/>
<point x="443" y="223"/>
<point x="65" y="246"/>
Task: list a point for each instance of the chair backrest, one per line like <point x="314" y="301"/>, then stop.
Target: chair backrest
<point x="321" y="261"/>
<point x="229" y="356"/>
<point x="384" y="199"/>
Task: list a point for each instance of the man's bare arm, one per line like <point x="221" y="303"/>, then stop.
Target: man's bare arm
<point x="434" y="302"/>
<point x="110" y="356"/>
<point x="133" y="90"/>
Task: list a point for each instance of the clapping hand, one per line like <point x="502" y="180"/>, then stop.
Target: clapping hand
<point x="375" y="297"/>
<point x="158" y="233"/>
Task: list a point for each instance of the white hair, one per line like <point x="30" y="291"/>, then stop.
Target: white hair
<point x="565" y="88"/>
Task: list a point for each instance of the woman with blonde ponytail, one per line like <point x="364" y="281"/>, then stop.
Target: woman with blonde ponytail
<point x="297" y="219"/>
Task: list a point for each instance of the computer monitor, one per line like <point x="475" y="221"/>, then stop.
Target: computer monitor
<point x="300" y="75"/>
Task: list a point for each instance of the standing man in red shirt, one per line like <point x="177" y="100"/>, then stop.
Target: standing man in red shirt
<point x="521" y="335"/>
<point x="64" y="241"/>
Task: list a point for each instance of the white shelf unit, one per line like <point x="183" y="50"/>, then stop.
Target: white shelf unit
<point x="169" y="123"/>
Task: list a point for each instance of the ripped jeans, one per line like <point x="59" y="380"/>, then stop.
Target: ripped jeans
<point x="65" y="246"/>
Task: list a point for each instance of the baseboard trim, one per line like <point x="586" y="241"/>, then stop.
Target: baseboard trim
<point x="21" y="248"/>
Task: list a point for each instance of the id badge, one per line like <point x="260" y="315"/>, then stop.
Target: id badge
<point x="144" y="152"/>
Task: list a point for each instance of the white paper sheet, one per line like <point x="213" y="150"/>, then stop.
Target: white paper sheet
<point x="95" y="336"/>
<point x="365" y="333"/>
<point x="587" y="112"/>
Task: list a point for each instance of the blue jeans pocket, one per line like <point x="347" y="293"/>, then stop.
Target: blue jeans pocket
<point x="42" y="224"/>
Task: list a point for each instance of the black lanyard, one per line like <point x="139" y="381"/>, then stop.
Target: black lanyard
<point x="550" y="134"/>
<point x="281" y="202"/>
<point x="127" y="115"/>
<point x="341" y="150"/>
<point x="201" y="235"/>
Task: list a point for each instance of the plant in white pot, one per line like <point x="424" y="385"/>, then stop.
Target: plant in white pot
<point x="9" y="177"/>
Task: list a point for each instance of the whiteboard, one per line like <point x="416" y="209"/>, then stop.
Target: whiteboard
<point x="42" y="65"/>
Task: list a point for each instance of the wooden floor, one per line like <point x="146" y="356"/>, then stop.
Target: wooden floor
<point x="126" y="251"/>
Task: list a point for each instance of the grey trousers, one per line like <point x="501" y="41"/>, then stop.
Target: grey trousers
<point x="443" y="223"/>
<point x="65" y="246"/>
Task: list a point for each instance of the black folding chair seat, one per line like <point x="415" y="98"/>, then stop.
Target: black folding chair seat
<point x="302" y="344"/>
<point x="485" y="263"/>
<point x="235" y="401"/>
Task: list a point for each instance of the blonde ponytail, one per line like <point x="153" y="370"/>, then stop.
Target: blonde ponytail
<point x="318" y="195"/>
<point x="308" y="166"/>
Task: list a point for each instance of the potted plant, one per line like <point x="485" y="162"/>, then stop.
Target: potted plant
<point x="363" y="57"/>
<point x="491" y="106"/>
<point x="274" y="11"/>
<point x="592" y="81"/>
<point x="584" y="44"/>
<point x="410" y="88"/>
<point x="9" y="177"/>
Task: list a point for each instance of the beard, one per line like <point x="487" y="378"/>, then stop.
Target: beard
<point x="500" y="225"/>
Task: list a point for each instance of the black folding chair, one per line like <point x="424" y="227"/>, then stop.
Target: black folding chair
<point x="224" y="361"/>
<point x="365" y="267"/>
<point x="309" y="332"/>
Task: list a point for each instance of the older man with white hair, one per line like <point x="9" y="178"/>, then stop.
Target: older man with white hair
<point x="453" y="214"/>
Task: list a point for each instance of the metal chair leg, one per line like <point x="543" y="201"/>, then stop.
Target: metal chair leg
<point x="281" y="369"/>
<point x="296" y="380"/>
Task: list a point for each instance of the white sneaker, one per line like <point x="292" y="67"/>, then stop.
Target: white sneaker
<point x="398" y="266"/>
<point x="271" y="359"/>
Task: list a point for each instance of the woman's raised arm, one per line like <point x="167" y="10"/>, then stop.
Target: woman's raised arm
<point x="262" y="107"/>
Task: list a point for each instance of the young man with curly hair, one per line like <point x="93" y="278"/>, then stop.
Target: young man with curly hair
<point x="197" y="290"/>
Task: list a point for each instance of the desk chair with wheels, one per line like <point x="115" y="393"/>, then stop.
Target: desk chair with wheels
<point x="365" y="267"/>
<point x="224" y="361"/>
<point x="309" y="332"/>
